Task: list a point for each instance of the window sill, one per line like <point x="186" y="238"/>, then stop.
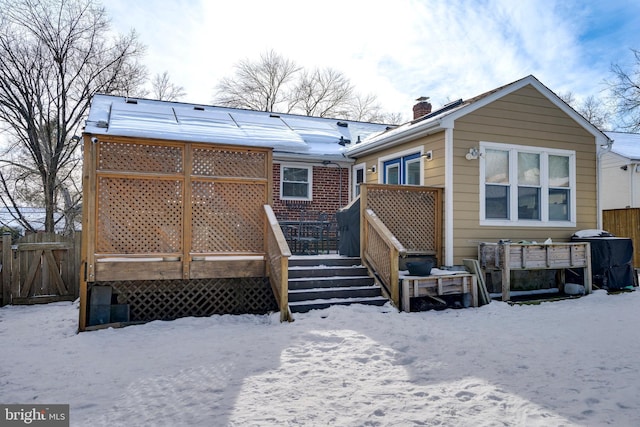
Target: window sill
<point x="527" y="223"/>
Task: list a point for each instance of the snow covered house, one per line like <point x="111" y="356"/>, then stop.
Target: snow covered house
<point x="34" y="216"/>
<point x="619" y="177"/>
<point x="183" y="200"/>
<point x="183" y="203"/>
<point x="620" y="170"/>
<point x="515" y="163"/>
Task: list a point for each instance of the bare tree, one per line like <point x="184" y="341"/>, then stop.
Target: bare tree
<point x="258" y="85"/>
<point x="163" y="90"/>
<point x="625" y="91"/>
<point x="594" y="109"/>
<point x="322" y="93"/>
<point x="279" y="85"/>
<point x="55" y="55"/>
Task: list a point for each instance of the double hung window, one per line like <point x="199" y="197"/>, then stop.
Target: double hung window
<point x="527" y="184"/>
<point x="296" y="182"/>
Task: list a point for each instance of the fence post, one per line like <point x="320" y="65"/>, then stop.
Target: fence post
<point x="6" y="268"/>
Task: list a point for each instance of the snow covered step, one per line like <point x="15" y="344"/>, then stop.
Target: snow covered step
<point x="323" y="261"/>
<point x="321" y="271"/>
<point x="319" y="282"/>
<point x="304" y="306"/>
<point x="333" y="293"/>
<point x="328" y="282"/>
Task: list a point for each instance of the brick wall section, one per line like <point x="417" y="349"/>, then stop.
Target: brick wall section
<point x="325" y="193"/>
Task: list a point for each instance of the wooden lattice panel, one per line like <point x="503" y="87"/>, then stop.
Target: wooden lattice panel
<point x="139" y="216"/>
<point x="220" y="162"/>
<point x="139" y="158"/>
<point x="227" y="217"/>
<point x="409" y="214"/>
<point x="171" y="299"/>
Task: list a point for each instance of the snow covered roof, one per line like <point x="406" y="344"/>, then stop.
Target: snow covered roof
<point x="35" y="217"/>
<point x="625" y="144"/>
<point x="444" y="117"/>
<point x="289" y="134"/>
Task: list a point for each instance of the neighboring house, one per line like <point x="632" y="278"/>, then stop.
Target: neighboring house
<point x="35" y="216"/>
<point x="620" y="171"/>
<point x="515" y="163"/>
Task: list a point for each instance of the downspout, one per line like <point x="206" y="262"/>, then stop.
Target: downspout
<point x="448" y="196"/>
<point x="632" y="184"/>
<point x="601" y="150"/>
<point x="327" y="163"/>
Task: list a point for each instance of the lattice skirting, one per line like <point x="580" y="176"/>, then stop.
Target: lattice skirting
<point x="170" y="299"/>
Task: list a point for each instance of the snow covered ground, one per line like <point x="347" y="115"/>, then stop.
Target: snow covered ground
<point x="563" y="363"/>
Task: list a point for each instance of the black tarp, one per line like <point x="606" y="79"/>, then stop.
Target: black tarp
<point x="611" y="261"/>
<point x="348" y="219"/>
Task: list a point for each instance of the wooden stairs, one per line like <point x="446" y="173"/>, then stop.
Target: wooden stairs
<point x="317" y="282"/>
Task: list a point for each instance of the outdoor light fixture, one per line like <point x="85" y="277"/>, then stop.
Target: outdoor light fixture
<point x="473" y="154"/>
<point x="372" y="169"/>
<point x="428" y="155"/>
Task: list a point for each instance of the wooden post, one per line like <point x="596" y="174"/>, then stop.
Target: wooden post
<point x="284" y="289"/>
<point x="363" y="223"/>
<point x="88" y="228"/>
<point x="6" y="268"/>
<point x="506" y="272"/>
<point x="587" y="270"/>
<point x="394" y="276"/>
<point x="187" y="229"/>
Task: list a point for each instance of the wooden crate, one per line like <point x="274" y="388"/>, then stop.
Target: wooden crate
<point x="454" y="284"/>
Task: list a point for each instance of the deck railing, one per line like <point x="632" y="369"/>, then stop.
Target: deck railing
<point x="381" y="251"/>
<point x="398" y="221"/>
<point x="277" y="253"/>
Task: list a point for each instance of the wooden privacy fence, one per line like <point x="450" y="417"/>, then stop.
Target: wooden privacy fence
<point x="624" y="223"/>
<point x="399" y="221"/>
<point x="40" y="268"/>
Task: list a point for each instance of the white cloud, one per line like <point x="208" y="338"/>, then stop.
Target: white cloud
<point x="445" y="49"/>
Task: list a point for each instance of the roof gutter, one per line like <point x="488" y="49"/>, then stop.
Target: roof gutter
<point x="309" y="158"/>
<point x="399" y="138"/>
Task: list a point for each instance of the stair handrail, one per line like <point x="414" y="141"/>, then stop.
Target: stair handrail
<point x="380" y="251"/>
<point x="278" y="253"/>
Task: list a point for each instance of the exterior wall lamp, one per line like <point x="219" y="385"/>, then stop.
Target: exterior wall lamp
<point x="372" y="169"/>
<point x="473" y="154"/>
<point x="428" y="156"/>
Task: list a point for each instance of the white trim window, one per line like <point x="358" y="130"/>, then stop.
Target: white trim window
<point x="404" y="168"/>
<point x="527" y="186"/>
<point x="296" y="182"/>
<point x="359" y="176"/>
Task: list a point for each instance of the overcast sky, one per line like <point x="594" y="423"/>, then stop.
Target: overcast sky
<point x="398" y="50"/>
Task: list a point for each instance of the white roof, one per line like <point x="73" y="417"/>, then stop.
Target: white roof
<point x="35" y="217"/>
<point x="311" y="137"/>
<point x="625" y="144"/>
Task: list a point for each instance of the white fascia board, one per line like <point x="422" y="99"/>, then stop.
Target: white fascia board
<point x="298" y="158"/>
<point x="600" y="137"/>
<point x="410" y="134"/>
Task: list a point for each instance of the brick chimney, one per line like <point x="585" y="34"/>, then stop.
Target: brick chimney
<point x="422" y="108"/>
